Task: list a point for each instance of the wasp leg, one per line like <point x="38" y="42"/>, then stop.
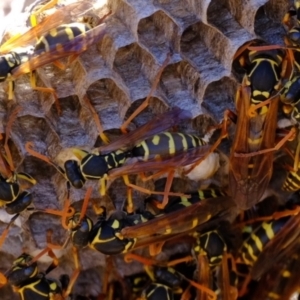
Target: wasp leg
<point x="45" y="90"/>
<point x="146" y="102"/>
<point x="297" y="153"/>
<point x="129" y="257"/>
<point x="156" y="248"/>
<point x="11" y="87"/>
<point x="102" y="135"/>
<point x="204" y="274"/>
<point x="69" y="211"/>
<point x="167" y="190"/>
<point x="146" y="191"/>
<point x="3" y="280"/>
<point x="33" y="16"/>
<point x="229" y="276"/>
<point x="289" y="137"/>
<point x="6" y="230"/>
<point x="63" y="66"/>
<point x="66" y="213"/>
<point x="75" y="273"/>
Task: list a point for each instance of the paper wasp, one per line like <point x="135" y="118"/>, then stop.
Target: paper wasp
<point x="172" y="279"/>
<point x="272" y="241"/>
<point x="12" y="196"/>
<point x="106" y="235"/>
<point x="251" y="159"/>
<point x="128" y="154"/>
<point x="30" y="283"/>
<point x="58" y="38"/>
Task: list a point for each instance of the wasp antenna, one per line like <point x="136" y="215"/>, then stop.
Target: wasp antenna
<point x="146" y="102"/>
<point x="85" y="203"/>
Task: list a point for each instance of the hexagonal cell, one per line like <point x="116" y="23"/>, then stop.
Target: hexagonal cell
<point x="68" y="124"/>
<point x="44" y="192"/>
<point x="158" y="33"/>
<point x="179" y="11"/>
<point x="130" y="63"/>
<point x="124" y="12"/>
<point x="110" y="102"/>
<point x="268" y="26"/>
<point x="201" y="56"/>
<point x="37" y="130"/>
<point x="220" y="16"/>
<point x="156" y="105"/>
<point x="179" y="82"/>
<point x="202" y="123"/>
<point x="39" y="223"/>
<point x="29" y="99"/>
<point x="219" y="96"/>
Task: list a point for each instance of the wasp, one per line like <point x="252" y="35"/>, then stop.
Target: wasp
<point x="165" y="284"/>
<point x="58" y="38"/>
<point x="144" y="149"/>
<point x="251" y="158"/>
<point x="30" y="283"/>
<point x="12" y="196"/>
<point x="272" y="241"/>
<point x="168" y="280"/>
<point x="106" y="235"/>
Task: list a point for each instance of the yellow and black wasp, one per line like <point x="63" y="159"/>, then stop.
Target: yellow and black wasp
<point x="12" y="195"/>
<point x="251" y="159"/>
<point x="144" y="149"/>
<point x="57" y="38"/>
<point x="30" y="283"/>
<point x="270" y="243"/>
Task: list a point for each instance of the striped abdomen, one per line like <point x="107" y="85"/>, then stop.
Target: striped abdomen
<point x="60" y="36"/>
<point x="259" y="238"/>
<point x="166" y="144"/>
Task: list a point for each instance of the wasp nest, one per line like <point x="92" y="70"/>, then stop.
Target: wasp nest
<point x="200" y="36"/>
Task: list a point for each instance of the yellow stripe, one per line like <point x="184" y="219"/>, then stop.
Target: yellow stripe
<point x="268" y="229"/>
<point x="184" y="141"/>
<point x="69" y="33"/>
<point x="155" y="140"/>
<point x="172" y="147"/>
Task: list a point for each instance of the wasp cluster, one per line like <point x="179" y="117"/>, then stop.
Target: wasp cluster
<point x="117" y="73"/>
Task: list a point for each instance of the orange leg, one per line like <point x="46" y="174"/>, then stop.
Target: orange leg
<point x="30" y="145"/>
<point x="146" y="102"/>
<point x="145" y="191"/>
<point x="6" y="230"/>
<point x="155" y="249"/>
<point x="102" y="135"/>
<point x="44" y="90"/>
<point x="167" y="190"/>
<point x="33" y="19"/>
<point x="75" y="274"/>
<point x="69" y="211"/>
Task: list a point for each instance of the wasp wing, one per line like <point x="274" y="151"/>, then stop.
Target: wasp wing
<point x="136" y="165"/>
<point x="182" y="220"/>
<point x="158" y="124"/>
<point x="76" y="46"/>
<point x="63" y="15"/>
